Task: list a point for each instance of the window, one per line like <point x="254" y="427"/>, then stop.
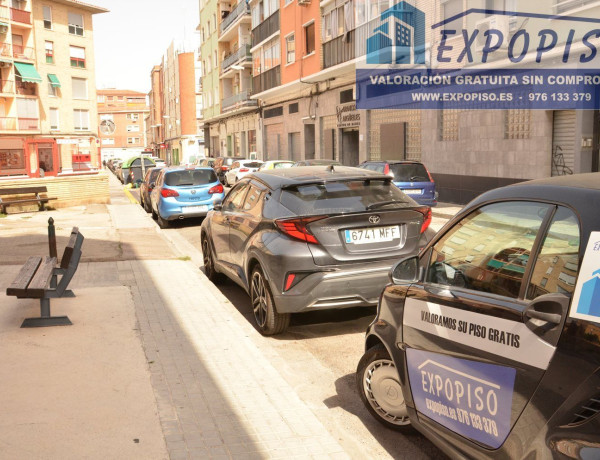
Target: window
<point x="293" y="108"/>
<point x="133" y="128"/>
<point x="49" y="46"/>
<point x="100" y="99"/>
<point x="76" y="24"/>
<point x="465" y="257"/>
<point x="309" y="38"/>
<point x="558" y="261"/>
<point x="290" y="49"/>
<point x="347" y="96"/>
<point x="53" y="116"/>
<point x="133" y="140"/>
<point x="133" y="116"/>
<point x="77" y="56"/>
<point x="47" y="17"/>
<point x="81" y="120"/>
<point x="79" y="88"/>
<point x="108" y="142"/>
<point x="52" y="89"/>
<point x="450" y="9"/>
<point x="215" y="60"/>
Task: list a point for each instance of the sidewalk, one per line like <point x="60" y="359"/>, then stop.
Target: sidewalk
<point x="158" y="364"/>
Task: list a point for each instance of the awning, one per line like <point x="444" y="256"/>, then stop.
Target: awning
<point x="27" y="72"/>
<point x="54" y="80"/>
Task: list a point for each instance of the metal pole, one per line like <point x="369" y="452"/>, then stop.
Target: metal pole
<point x="52" y="238"/>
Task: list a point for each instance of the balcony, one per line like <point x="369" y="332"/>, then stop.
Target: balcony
<point x="8" y="124"/>
<point x="4" y="13"/>
<point x="7" y="87"/>
<point x="338" y="51"/>
<point x="265" y="29"/>
<point x="241" y="56"/>
<point x="20" y="16"/>
<point x="6" y="50"/>
<point x="26" y="88"/>
<point x="266" y="80"/>
<point x="23" y="52"/>
<point x="29" y="124"/>
<point x="238" y="101"/>
<point x="242" y="9"/>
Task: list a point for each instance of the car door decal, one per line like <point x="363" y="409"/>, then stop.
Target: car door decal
<point x="470" y="398"/>
<point x="509" y="339"/>
<point x="586" y="297"/>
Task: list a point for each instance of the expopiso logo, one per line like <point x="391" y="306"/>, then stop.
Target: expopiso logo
<point x="478" y="59"/>
<point x="399" y="38"/>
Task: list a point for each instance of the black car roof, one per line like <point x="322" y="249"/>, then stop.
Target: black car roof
<point x="276" y="178"/>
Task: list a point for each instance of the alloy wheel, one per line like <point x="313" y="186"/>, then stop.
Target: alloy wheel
<point x="259" y="299"/>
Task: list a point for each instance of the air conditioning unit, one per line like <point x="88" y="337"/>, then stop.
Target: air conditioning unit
<point x="496" y="22"/>
<point x="5" y="64"/>
<point x="3" y="28"/>
<point x="304" y="2"/>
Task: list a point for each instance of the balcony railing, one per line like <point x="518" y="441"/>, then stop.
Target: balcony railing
<point x="23" y="52"/>
<point x="26" y="89"/>
<point x="266" y="80"/>
<point x="266" y="28"/>
<point x="338" y="50"/>
<point x="28" y="124"/>
<point x="241" y="9"/>
<point x="20" y="16"/>
<point x="242" y="99"/>
<point x="242" y="54"/>
<point x="8" y="124"/>
<point x="6" y="50"/>
<point x="4" y="13"/>
<point x="7" y="86"/>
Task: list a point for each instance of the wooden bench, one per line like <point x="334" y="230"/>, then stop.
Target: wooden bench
<point x="23" y="195"/>
<point x="39" y="279"/>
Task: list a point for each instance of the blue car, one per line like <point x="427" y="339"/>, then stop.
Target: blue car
<point x="181" y="192"/>
<point x="411" y="177"/>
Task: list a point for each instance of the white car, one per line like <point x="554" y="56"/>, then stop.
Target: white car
<point x="239" y="169"/>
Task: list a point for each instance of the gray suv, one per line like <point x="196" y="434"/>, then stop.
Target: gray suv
<point x="310" y="238"/>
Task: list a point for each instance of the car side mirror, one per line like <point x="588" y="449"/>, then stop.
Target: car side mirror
<point x="406" y="271"/>
<point x="218" y="205"/>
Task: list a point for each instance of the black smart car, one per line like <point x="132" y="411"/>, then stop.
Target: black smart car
<point x="488" y="342"/>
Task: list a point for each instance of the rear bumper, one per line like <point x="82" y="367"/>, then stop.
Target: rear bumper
<point x="171" y="209"/>
<point x="336" y="287"/>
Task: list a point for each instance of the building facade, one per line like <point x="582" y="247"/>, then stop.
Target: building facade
<point x="122" y="117"/>
<point x="48" y="116"/>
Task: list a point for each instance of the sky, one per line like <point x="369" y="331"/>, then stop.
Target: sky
<point x="134" y="36"/>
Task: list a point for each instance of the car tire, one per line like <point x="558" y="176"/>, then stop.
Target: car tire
<point x="380" y="390"/>
<point x="225" y="182"/>
<point x="209" y="262"/>
<point x="162" y="223"/>
<point x="268" y="320"/>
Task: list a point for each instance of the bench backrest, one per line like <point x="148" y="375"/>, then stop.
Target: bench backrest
<point x="70" y="259"/>
<point x="20" y="190"/>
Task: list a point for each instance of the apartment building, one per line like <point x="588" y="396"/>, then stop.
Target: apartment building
<point x="48" y="116"/>
<point x="122" y="129"/>
<point x="174" y="100"/>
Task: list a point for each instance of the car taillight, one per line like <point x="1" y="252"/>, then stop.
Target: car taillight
<point x="426" y="211"/>
<point x="224" y="168"/>
<point x="289" y="281"/>
<point x="292" y="279"/>
<point x="216" y="189"/>
<point x="297" y="228"/>
<point x="429" y="174"/>
<point x="244" y="170"/>
<point x="168" y="193"/>
<point x="386" y="169"/>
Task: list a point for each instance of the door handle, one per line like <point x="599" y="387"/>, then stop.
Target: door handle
<point x="553" y="318"/>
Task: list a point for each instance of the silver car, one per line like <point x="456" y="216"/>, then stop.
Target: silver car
<point x="310" y="238"/>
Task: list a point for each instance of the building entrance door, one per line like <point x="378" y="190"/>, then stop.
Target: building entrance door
<point x="350" y="139"/>
<point x="47" y="157"/>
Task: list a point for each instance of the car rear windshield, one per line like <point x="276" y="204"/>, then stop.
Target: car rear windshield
<point x="190" y="177"/>
<point x="255" y="164"/>
<point x="413" y="172"/>
<point x="344" y="197"/>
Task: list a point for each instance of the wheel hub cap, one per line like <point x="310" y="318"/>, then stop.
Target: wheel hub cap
<point x="384" y="392"/>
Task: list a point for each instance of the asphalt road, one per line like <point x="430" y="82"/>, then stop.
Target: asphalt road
<point x="318" y="355"/>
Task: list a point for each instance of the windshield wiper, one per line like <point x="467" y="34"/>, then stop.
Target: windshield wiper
<point x="383" y="203"/>
<point x="414" y="178"/>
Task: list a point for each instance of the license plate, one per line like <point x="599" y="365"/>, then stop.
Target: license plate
<point x="192" y="209"/>
<point x="372" y="235"/>
<point x="414" y="191"/>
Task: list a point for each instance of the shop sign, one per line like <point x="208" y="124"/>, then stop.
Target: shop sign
<point x="67" y="141"/>
<point x="347" y="115"/>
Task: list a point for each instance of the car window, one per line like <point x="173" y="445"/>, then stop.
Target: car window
<point x="557" y="265"/>
<point x="282" y="165"/>
<point x="489" y="249"/>
<point x="153" y="175"/>
<point x="253" y="164"/>
<point x="235" y="197"/>
<point x="410" y="172"/>
<point x="343" y="196"/>
<point x="189" y="177"/>
<point x="253" y="203"/>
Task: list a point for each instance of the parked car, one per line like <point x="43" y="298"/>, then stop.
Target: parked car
<point x="240" y="169"/>
<point x="302" y="239"/>
<point x="276" y="164"/>
<point x="210" y="162"/>
<point x="182" y="192"/>
<point x="488" y="341"/>
<point x="317" y="162"/>
<point x="222" y="165"/>
<point x="412" y="177"/>
<point x="147" y="186"/>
